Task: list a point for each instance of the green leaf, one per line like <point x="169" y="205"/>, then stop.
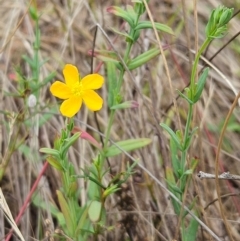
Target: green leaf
<point x="83" y="222"/>
<point x="127" y="145"/>
<point x="111" y="82"/>
<point x="200" y="85"/>
<point x="139" y="6"/>
<point x="54" y="163"/>
<point x="121" y="13"/>
<point x="110" y="190"/>
<point x="94" y="211"/>
<point x="176" y="164"/>
<point x="172" y="186"/>
<point x="172" y="134"/>
<point x="189" y="138"/>
<point x="28" y="60"/>
<point x="191" y="232"/>
<point x="93" y="177"/>
<point x="159" y="26"/>
<point x="69" y="142"/>
<point x="190" y="207"/>
<point x="94" y="189"/>
<point x="185" y="97"/>
<point x="143" y="58"/>
<point x="50" y="151"/>
<point x="66" y="212"/>
<point x="127" y="36"/>
<point x="40" y="203"/>
<point x="131" y="12"/>
<point x="136" y="35"/>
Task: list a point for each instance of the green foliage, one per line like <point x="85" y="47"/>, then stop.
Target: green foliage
<point x="127" y="145"/>
<point x="69" y="220"/>
<point x="179" y="177"/>
<point x="173" y="135"/>
<point x="200" y="85"/>
<point x="112" y="83"/>
<point x="128" y="17"/>
<point x="191" y="232"/>
<point x="217" y="24"/>
<point x="80" y="221"/>
<point x="159" y="26"/>
<point x="94" y="211"/>
<point x="143" y="58"/>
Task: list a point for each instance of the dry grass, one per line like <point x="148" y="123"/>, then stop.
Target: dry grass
<point x="142" y="210"/>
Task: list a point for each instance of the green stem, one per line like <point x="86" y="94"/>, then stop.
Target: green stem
<point x="192" y="92"/>
<point x="188" y="122"/>
<point x="195" y="64"/>
<point x="186" y="134"/>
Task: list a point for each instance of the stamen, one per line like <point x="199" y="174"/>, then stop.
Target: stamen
<point x="77" y="89"/>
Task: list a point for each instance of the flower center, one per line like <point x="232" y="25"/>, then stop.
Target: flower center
<point x="77" y="89"/>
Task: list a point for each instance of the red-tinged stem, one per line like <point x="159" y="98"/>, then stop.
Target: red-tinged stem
<point x="24" y="207"/>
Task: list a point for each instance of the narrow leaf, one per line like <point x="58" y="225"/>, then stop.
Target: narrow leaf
<point x="159" y="26"/>
<point x="176" y="164"/>
<point x="200" y="85"/>
<point x="172" y="134"/>
<point x="173" y="188"/>
<point x="49" y="151"/>
<point x="127" y="145"/>
<point x="94" y="211"/>
<point x="112" y="82"/>
<point x="69" y="142"/>
<point x="131" y="12"/>
<point x="54" y="163"/>
<point x="121" y="13"/>
<point x="122" y="34"/>
<point x="192" y="230"/>
<point x="28" y="60"/>
<point x="143" y="58"/>
<point x="185" y="97"/>
<point x="66" y="212"/>
<point x="188" y="141"/>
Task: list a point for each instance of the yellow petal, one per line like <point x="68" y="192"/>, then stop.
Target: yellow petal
<point x="60" y="90"/>
<point x="70" y="107"/>
<point x="71" y="75"/>
<point x="92" y="100"/>
<point x="92" y="82"/>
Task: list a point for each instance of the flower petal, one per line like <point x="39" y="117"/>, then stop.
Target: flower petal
<point x="60" y="90"/>
<point x="92" y="100"/>
<point x="71" y="75"/>
<point x="92" y="82"/>
<point x="70" y="107"/>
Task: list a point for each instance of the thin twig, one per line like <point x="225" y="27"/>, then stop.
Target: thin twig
<point x="217" y="164"/>
<point x="224" y="175"/>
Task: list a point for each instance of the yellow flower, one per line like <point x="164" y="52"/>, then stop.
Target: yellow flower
<point x="75" y="91"/>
